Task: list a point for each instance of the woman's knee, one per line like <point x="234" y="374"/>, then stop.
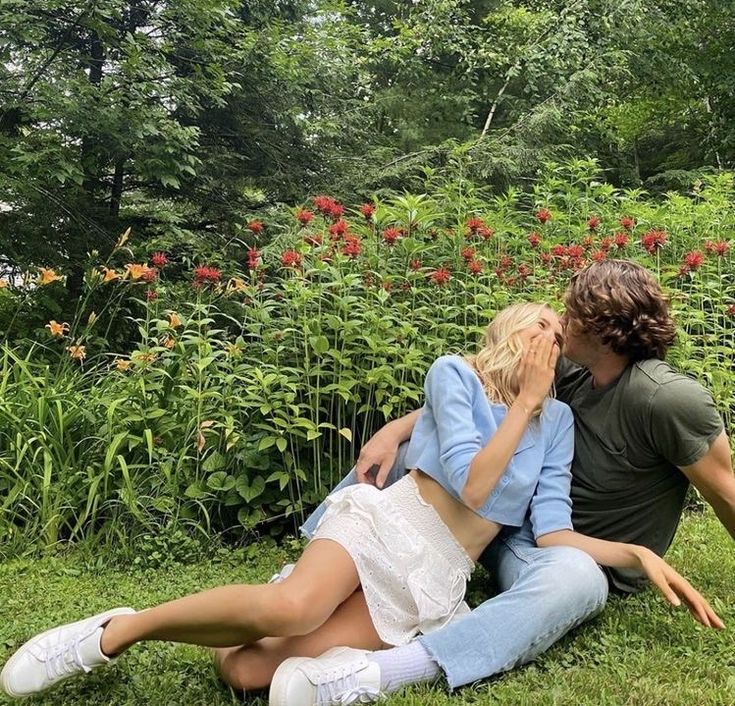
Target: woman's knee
<point x="244" y="667"/>
<point x="295" y="612"/>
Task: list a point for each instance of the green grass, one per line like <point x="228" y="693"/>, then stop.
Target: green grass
<point x="637" y="653"/>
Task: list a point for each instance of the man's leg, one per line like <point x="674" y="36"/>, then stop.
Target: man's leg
<point x="544" y="594"/>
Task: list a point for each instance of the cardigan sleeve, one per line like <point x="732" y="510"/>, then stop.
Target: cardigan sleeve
<point x="451" y="387"/>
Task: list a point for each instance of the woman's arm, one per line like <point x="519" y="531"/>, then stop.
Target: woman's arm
<point x="536" y="373"/>
<point x="672" y="584"/>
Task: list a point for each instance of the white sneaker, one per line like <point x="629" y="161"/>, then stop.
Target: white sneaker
<point x="284" y="573"/>
<point x="340" y="676"/>
<point x="57" y="654"/>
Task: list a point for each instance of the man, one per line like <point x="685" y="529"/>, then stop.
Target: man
<point x="643" y="432"/>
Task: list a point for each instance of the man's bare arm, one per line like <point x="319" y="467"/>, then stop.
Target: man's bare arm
<point x="381" y="449"/>
<point x="713" y="476"/>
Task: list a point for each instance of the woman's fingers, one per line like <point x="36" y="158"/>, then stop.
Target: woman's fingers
<point x="675" y="587"/>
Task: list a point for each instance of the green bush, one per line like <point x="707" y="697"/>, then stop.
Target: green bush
<point x="248" y="389"/>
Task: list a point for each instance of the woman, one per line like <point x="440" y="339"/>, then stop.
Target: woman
<point x="489" y="448"/>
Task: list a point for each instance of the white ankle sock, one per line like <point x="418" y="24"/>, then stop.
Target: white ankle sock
<point x="404" y="665"/>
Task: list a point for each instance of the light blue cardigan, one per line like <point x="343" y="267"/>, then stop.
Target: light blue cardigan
<point x="457" y="420"/>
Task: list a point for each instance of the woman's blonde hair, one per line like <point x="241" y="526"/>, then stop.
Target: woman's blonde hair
<point x="498" y="361"/>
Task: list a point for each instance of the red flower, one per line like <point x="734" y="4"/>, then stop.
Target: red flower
<point x="328" y="207"/>
<point x="559" y="250"/>
<point x="485" y="233"/>
<point x="204" y="274"/>
<point x="367" y="210"/>
<point x="390" y="235"/>
<point x="468" y="254"/>
<point x="598" y="255"/>
<point x="256" y="227"/>
<point x="159" y="259"/>
<point x="545" y="258"/>
<point x="731" y="311"/>
<point x="627" y="222"/>
<point x="474" y="224"/>
<point x="652" y="240"/>
<point x="524" y="271"/>
<point x="338" y="229"/>
<point x="304" y="217"/>
<point x="606" y="243"/>
<point x="386" y="285"/>
<point x="313" y="239"/>
<point x="621" y="239"/>
<point x="720" y="247"/>
<point x="440" y="276"/>
<point x="543" y="215"/>
<point x="290" y="258"/>
<point x="510" y="281"/>
<point x="151" y="295"/>
<point x="694" y="260"/>
<point x="253" y="258"/>
<point x="587" y="241"/>
<point x="534" y="239"/>
<point x="576" y="252"/>
<point x="352" y="247"/>
<point x="415" y="265"/>
<point x="506" y="261"/>
<point x="475" y="267"/>
<point x="150" y="275"/>
<point x="593" y="222"/>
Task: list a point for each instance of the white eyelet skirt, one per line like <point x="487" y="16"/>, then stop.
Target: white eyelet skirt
<point x="412" y="570"/>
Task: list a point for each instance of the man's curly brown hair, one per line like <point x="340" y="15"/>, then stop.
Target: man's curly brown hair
<point x="623" y="304"/>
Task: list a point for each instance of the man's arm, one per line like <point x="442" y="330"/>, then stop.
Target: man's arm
<point x="381" y="449"/>
<point x="712" y="475"/>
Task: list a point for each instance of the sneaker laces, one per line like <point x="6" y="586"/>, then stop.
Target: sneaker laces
<point x="342" y="687"/>
<point x="64" y="659"/>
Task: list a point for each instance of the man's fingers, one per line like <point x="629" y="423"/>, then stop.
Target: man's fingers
<point x="362" y="471"/>
<point x="383" y="471"/>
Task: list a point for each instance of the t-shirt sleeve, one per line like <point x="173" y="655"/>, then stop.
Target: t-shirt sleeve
<point x="684" y="421"/>
<point x="450" y="398"/>
<point x="551" y="505"/>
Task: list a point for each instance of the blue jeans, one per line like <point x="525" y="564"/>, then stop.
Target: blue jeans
<point x="544" y="593"/>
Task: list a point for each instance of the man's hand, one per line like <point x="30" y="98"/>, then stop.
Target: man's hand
<point x="376" y="458"/>
<point x="379" y="453"/>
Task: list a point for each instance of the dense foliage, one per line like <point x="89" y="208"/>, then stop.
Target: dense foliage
<point x="244" y="389"/>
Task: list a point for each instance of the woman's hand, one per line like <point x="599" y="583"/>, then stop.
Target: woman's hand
<point x="536" y="371"/>
<point x="676" y="588"/>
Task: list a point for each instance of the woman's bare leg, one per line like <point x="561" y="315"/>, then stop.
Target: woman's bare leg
<point x="241" y="614"/>
<point x="252" y="667"/>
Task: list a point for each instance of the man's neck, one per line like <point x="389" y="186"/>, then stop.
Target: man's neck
<point x="606" y="367"/>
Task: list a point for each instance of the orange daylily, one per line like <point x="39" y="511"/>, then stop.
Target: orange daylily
<point x="136" y="271"/>
<point x="77" y="352"/>
<point x="47" y="276"/>
<point x="4" y="284"/>
<point x="168" y="342"/>
<point x="110" y="275"/>
<point x="57" y="329"/>
<point x="121" y="364"/>
<point x="173" y="320"/>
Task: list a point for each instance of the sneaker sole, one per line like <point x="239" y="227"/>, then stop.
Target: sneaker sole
<point x="29" y="643"/>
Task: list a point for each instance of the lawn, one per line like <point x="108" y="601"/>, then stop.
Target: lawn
<point x="637" y="653"/>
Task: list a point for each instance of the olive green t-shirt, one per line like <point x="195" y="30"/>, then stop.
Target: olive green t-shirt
<point x="629" y="439"/>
